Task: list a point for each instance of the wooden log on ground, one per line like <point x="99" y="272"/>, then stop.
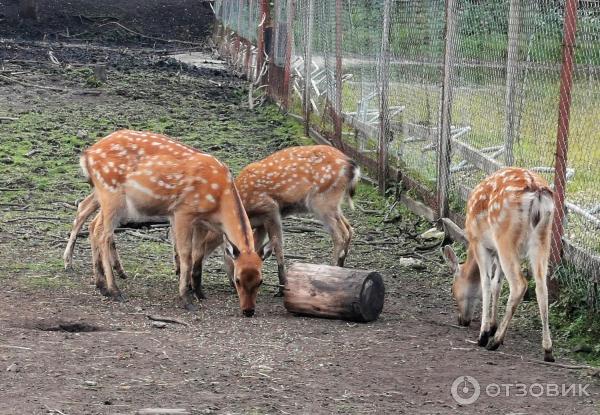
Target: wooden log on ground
<point x="333" y="292"/>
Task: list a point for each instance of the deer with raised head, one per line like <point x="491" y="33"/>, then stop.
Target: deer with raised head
<point x="140" y="175"/>
<point x="309" y="179"/>
<point x="509" y="216"/>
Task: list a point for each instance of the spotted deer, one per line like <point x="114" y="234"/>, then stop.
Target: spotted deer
<point x="509" y="216"/>
<point x="313" y="179"/>
<point x="305" y="179"/>
<point x="140" y="175"/>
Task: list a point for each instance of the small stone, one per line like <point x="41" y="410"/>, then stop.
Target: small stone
<point x="433" y="233"/>
<point x="89" y="383"/>
<point x="411" y="262"/>
<point x="159" y="324"/>
<point x="82" y="134"/>
<point x="13" y="368"/>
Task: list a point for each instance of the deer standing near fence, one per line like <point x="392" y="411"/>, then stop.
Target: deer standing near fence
<point x="314" y="179"/>
<point x="509" y="216"/>
<point x="141" y="175"/>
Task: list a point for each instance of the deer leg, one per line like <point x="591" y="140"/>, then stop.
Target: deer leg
<point x="538" y="256"/>
<point x="274" y="230"/>
<point x="198" y="254"/>
<point x="509" y="261"/>
<point x="84" y="210"/>
<point x="332" y="224"/>
<point x="485" y="262"/>
<point x="497" y="283"/>
<point x="346" y="236"/>
<point x="183" y="233"/>
<point x="94" y="229"/>
<point x="349" y="236"/>
<point x="175" y="254"/>
<point x="104" y="243"/>
<point x="115" y="260"/>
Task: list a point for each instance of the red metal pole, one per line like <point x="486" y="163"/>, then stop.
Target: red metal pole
<point x="562" y="136"/>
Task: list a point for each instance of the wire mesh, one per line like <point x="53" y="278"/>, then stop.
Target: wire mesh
<point x="503" y="82"/>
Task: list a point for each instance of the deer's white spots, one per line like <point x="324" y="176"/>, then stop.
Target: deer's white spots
<point x="105" y="169"/>
<point x="512" y="189"/>
<point x="482" y="196"/>
<point x="156" y="143"/>
<point x="215" y="186"/>
<point x="210" y="198"/>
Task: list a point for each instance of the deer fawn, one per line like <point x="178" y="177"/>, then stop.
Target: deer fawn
<point x="307" y="179"/>
<point x="140" y="175"/>
<point x="295" y="180"/>
<point x="509" y="216"/>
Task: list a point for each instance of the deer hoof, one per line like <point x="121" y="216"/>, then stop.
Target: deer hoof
<point x="191" y="307"/>
<point x="122" y="274"/>
<point x="483" y="339"/>
<point x="493" y="344"/>
<point x="548" y="357"/>
<point x="117" y="296"/>
<point x="200" y="294"/>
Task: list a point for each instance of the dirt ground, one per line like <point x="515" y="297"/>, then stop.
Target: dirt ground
<point x="64" y="349"/>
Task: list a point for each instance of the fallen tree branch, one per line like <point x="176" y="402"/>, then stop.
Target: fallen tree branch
<point x="166" y="319"/>
<point x="184" y="42"/>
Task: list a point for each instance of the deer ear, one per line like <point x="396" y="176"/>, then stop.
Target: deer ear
<point x="265" y="251"/>
<point x="451" y="258"/>
<point x="230" y="249"/>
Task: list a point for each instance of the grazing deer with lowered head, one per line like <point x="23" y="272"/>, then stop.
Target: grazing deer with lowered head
<point x="140" y="175"/>
<point x="509" y="216"/>
<point x="313" y="179"/>
<point x="306" y="179"/>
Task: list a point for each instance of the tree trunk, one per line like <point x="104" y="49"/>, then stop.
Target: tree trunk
<point x="333" y="292"/>
<point x="28" y="9"/>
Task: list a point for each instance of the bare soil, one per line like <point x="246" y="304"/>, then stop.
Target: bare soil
<point x="71" y="351"/>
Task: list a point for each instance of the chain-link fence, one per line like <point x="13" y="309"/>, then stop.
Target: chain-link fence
<point x="438" y="94"/>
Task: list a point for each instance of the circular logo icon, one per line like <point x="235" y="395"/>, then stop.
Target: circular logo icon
<point x="465" y="390"/>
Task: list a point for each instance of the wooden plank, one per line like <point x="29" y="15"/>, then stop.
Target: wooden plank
<point x="475" y="157"/>
<point x="454" y="231"/>
<point x="418" y="208"/>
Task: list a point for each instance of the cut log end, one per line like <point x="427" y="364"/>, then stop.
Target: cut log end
<point x="334" y="292"/>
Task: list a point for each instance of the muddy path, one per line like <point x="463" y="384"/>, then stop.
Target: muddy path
<point x="71" y="351"/>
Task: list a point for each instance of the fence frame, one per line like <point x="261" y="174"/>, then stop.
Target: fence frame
<point x="434" y="205"/>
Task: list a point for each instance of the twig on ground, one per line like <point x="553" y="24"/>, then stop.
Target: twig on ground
<point x="8" y="119"/>
<point x="144" y="236"/>
<point x="184" y="42"/>
<point x="166" y="319"/>
<point x="33" y="218"/>
<point x="27" y="84"/>
<point x="8" y="346"/>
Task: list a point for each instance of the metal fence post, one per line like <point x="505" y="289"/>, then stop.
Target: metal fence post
<point x="287" y="69"/>
<point x="265" y="20"/>
<point x="562" y="135"/>
<point x="384" y="116"/>
<point x="337" y="107"/>
<point x="309" y="19"/>
<point x="444" y="139"/>
<point x="512" y="75"/>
